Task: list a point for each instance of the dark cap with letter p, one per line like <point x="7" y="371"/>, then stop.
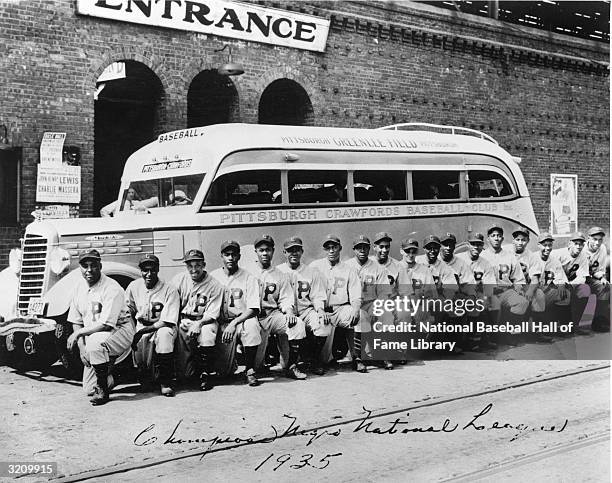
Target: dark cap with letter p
<point x="410" y="243"/>
<point x="361" y="240"/>
<point x="294" y="241"/>
<point x="227" y="244"/>
<point x="194" y="254"/>
<point x="149" y="258"/>
<point x="263" y="239"/>
<point x="89" y="255"/>
<point x="331" y="239"/>
<point x="431" y="239"/>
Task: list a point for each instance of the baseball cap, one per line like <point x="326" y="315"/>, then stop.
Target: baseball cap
<point x="578" y="236"/>
<point x="230" y="244"/>
<point x="448" y="237"/>
<point x="382" y="235"/>
<point x="331" y="238"/>
<point x="263" y="239"/>
<point x="596" y="230"/>
<point x="89" y="254"/>
<point x="520" y="231"/>
<point x="545" y="236"/>
<point x="193" y="255"/>
<point x="294" y="241"/>
<point x="409" y="243"/>
<point x="495" y="227"/>
<point x="476" y="238"/>
<point x="431" y="239"/>
<point x="148" y="258"/>
<point x="361" y="240"/>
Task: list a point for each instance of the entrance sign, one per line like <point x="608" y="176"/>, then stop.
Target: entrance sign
<point x="51" y="148"/>
<point x="217" y="17"/>
<point x="563" y="203"/>
<point x="58" y="184"/>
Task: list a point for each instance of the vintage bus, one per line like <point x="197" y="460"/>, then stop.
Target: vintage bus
<point x="196" y="187"/>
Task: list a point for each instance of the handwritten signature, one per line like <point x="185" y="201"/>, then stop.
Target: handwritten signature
<point x="370" y="425"/>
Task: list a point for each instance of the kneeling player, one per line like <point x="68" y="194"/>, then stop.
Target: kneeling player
<point x="154" y="307"/>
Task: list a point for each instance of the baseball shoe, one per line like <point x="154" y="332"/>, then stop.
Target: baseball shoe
<point x="111" y="385"/>
<point x="317" y="369"/>
<point x="388" y="365"/>
<point x="167" y="391"/>
<point x="294" y="373"/>
<point x="360" y="367"/>
<point x="251" y="378"/>
<point x="100" y="397"/>
<point x="206" y="382"/>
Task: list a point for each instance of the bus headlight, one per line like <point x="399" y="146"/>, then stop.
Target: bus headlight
<point x="59" y="261"/>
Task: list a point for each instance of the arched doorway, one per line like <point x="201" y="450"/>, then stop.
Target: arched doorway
<point x="285" y="102"/>
<point x="126" y="118"/>
<point x="212" y="99"/>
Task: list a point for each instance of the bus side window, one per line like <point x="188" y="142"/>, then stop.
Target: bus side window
<point x="488" y="184"/>
<point x="244" y="188"/>
<point x="435" y="185"/>
<point x="379" y="185"/>
<point x="317" y="186"/>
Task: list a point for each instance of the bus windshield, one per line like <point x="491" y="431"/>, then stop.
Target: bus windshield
<point x="162" y="192"/>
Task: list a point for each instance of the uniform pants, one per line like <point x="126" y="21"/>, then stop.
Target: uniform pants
<point x="159" y="342"/>
<point x="340" y="317"/>
<point x="101" y="346"/>
<point x="249" y="333"/>
<point x="510" y="299"/>
<point x="276" y="323"/>
<point x="183" y="348"/>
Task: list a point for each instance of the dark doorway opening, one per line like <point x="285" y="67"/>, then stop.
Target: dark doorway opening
<point x="212" y="99"/>
<point x="285" y="102"/>
<point x="126" y="118"/>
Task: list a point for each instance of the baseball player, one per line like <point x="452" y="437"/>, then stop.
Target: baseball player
<point x="309" y="290"/>
<point x="374" y="285"/>
<point x="552" y="279"/>
<point x="382" y="247"/>
<point x="599" y="263"/>
<point x="532" y="269"/>
<point x="201" y="298"/>
<point x="508" y="276"/>
<point x="96" y="314"/>
<point x="575" y="263"/>
<point x="485" y="282"/>
<point x="154" y="308"/>
<point x="443" y="276"/>
<point x="343" y="295"/>
<point x="240" y="309"/>
<point x="277" y="315"/>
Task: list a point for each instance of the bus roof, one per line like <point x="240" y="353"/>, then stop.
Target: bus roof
<point x="201" y="149"/>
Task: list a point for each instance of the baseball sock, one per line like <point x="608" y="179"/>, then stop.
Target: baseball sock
<point x="318" y="347"/>
<point x="249" y="357"/>
<point x="357" y="345"/>
<point x="294" y="352"/>
<point x="164" y="366"/>
<point x="207" y="359"/>
<point x="102" y="376"/>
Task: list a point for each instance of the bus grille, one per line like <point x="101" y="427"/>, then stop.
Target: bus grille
<point x="32" y="278"/>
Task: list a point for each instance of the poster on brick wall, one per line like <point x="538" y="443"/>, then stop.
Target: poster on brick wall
<point x="51" y="148"/>
<point x="563" y="203"/>
<point x="58" y="184"/>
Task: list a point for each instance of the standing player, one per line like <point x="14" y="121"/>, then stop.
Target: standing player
<point x="508" y="276"/>
<point x="443" y="276"/>
<point x="343" y="294"/>
<point x="310" y="297"/>
<point x="277" y="315"/>
<point x="374" y="285"/>
<point x="240" y="310"/>
<point x="599" y="263"/>
<point x="154" y="308"/>
<point x="96" y="314"/>
<point x="201" y="298"/>
<point x="575" y="263"/>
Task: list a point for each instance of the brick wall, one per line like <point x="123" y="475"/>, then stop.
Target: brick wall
<point x="544" y="97"/>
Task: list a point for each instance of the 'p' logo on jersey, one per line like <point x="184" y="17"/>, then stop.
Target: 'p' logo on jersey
<point x="96" y="310"/>
<point x="156" y="310"/>
<point x="338" y="283"/>
<point x="303" y="287"/>
<point x="235" y="293"/>
<point x="269" y="289"/>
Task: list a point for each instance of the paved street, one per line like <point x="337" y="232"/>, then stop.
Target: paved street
<point x="49" y="419"/>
